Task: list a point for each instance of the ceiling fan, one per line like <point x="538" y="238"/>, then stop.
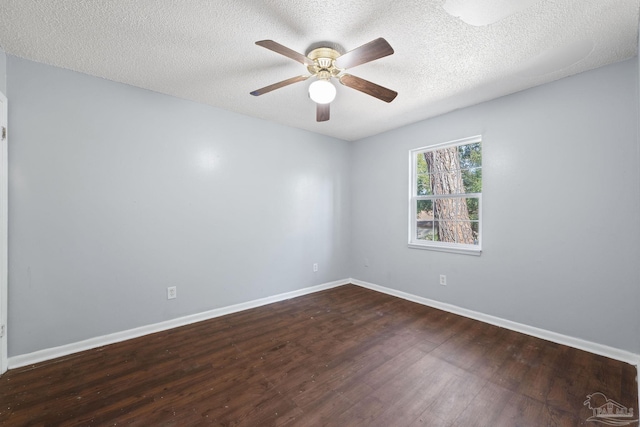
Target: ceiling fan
<point x="326" y="63"/>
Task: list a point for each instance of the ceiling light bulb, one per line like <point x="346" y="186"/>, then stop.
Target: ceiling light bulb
<point x="322" y="91"/>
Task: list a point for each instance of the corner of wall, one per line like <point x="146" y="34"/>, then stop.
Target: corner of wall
<point x="637" y="334"/>
<point x="3" y="72"/>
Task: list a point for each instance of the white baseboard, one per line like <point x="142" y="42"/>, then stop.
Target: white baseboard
<point x="603" y="350"/>
<point x="91" y="343"/>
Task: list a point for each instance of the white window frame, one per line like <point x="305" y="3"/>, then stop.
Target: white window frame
<point x="460" y="248"/>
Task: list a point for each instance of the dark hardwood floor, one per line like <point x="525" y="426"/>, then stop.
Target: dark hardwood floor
<point x="342" y="357"/>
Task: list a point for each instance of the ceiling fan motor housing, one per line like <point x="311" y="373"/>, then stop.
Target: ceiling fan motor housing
<point x="323" y="58"/>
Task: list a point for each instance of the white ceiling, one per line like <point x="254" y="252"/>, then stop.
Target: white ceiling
<point x="448" y="53"/>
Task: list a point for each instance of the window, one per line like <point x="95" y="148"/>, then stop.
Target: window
<point x="445" y="204"/>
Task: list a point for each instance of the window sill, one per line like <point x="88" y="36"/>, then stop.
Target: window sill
<point x="462" y="251"/>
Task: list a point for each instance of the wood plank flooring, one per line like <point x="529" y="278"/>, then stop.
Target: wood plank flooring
<point x="342" y="357"/>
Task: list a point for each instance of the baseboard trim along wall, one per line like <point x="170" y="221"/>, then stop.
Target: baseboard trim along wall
<point x="65" y="350"/>
<point x="91" y="343"/>
<point x="591" y="347"/>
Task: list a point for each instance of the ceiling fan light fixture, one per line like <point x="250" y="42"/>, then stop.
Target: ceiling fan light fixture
<point x="322" y="92"/>
<point x="325" y="63"/>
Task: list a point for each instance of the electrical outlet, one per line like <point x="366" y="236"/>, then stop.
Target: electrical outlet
<point x="366" y="262"/>
<point x="172" y="292"/>
<point x="315" y="267"/>
<point x="443" y="280"/>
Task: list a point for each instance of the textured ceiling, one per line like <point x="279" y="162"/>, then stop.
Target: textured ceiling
<point x="448" y="53"/>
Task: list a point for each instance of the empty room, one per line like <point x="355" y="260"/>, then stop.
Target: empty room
<point x="368" y="213"/>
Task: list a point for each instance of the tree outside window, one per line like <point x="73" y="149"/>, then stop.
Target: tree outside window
<point x="446" y="196"/>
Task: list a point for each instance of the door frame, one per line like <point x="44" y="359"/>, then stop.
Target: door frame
<point x="4" y="211"/>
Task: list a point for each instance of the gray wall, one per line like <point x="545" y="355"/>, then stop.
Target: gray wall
<point x="561" y="206"/>
<point x="117" y="192"/>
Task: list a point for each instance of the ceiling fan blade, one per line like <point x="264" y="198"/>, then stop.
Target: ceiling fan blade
<point x="283" y="50"/>
<point x="365" y="86"/>
<point x="322" y="112"/>
<point x="278" y="85"/>
<point x="378" y="48"/>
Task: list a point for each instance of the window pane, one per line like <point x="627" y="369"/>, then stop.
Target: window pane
<point x="463" y="237"/>
<point x="470" y="156"/>
<point x="424" y="220"/>
<point x="447" y="183"/>
<point x="423" y="187"/>
<point x="475" y="226"/>
<point x="444" y="165"/>
<point x="454" y="220"/>
<point x="425" y="231"/>
<point x="453" y="209"/>
<point x="472" y="179"/>
<point x="421" y="164"/>
<point x="456" y="232"/>
<point x="453" y="170"/>
<point x="473" y="205"/>
<point x="442" y="160"/>
<point x="425" y="210"/>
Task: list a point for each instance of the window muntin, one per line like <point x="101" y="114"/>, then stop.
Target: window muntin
<point x="446" y="196"/>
